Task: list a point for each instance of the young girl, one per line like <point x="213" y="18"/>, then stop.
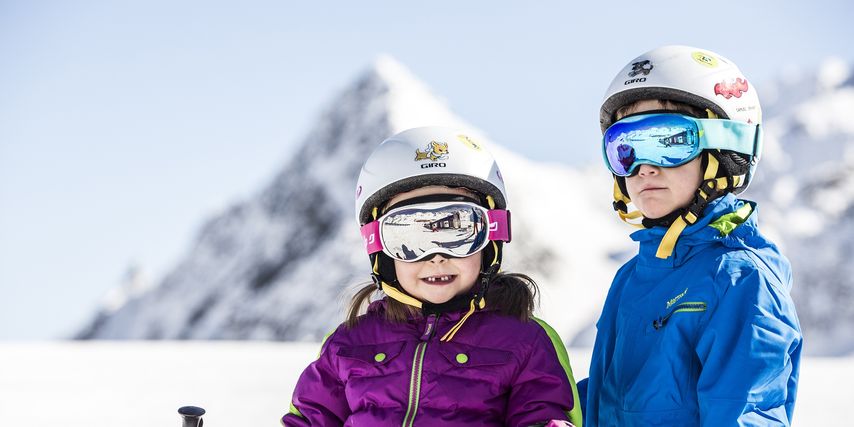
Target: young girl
<point x="453" y="341"/>
<point x="698" y="328"/>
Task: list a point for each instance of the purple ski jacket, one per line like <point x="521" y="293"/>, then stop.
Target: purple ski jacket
<point x="496" y="371"/>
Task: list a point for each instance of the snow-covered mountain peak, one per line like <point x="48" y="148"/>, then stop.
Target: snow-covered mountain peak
<point x="386" y="68"/>
<point x="280" y="264"/>
<point x="410" y="102"/>
<point x="277" y="265"/>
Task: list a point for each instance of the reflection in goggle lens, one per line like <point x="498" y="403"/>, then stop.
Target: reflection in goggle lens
<point x="665" y="140"/>
<point x="458" y="229"/>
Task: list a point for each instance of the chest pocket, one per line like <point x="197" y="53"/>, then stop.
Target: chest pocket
<point x="666" y="379"/>
<point x="468" y="371"/>
<point x="468" y="357"/>
<point x="685" y="307"/>
<point x="371" y="360"/>
<point x="373" y="374"/>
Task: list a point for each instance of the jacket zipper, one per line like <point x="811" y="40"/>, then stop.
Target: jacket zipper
<point x="414" y="385"/>
<point x="684" y="307"/>
<point x="415" y="376"/>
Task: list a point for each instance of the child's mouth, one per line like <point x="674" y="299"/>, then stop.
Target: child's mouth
<point x="441" y="279"/>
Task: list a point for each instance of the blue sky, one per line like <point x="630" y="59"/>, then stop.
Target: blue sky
<point x="124" y="125"/>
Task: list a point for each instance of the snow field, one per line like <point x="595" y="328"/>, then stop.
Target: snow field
<point x="139" y="383"/>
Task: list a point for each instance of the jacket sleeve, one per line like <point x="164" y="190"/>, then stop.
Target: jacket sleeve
<point x="544" y="388"/>
<point x="749" y="350"/>
<point x="319" y="398"/>
<point x="582" y="393"/>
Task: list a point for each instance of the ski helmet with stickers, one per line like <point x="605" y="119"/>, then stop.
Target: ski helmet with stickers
<point x="422" y="157"/>
<point x="708" y="82"/>
<point x="684" y="74"/>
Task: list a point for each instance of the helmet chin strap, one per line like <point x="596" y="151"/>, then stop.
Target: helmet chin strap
<point x="621" y="205"/>
<point x="710" y="189"/>
<point x="475" y="302"/>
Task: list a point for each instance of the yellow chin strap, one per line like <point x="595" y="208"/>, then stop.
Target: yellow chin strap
<point x="711" y="185"/>
<point x="668" y="242"/>
<point x="621" y="200"/>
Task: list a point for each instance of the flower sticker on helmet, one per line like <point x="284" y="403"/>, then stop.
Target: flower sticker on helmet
<point x="731" y="88"/>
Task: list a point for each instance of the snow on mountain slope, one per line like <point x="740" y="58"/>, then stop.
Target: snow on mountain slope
<point x="278" y="265"/>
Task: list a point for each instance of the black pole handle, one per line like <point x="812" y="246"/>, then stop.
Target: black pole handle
<point x="192" y="416"/>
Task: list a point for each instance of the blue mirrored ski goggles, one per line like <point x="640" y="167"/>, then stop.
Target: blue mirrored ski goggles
<point x="670" y="140"/>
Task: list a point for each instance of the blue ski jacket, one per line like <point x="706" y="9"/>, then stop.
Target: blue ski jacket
<point x="708" y="336"/>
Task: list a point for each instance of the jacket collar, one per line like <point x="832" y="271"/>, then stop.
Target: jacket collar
<point x="378" y="307"/>
<point x="696" y="236"/>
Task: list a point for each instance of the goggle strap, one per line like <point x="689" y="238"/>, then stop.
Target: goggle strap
<point x="757" y="146"/>
<point x="371" y="237"/>
<point x="729" y="135"/>
<point x="453" y="331"/>
<point x="499" y="225"/>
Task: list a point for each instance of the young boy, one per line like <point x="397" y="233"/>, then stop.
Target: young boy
<point x="698" y="328"/>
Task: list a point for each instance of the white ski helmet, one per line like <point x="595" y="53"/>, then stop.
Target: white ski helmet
<point x="684" y="74"/>
<point x="698" y="78"/>
<point x="420" y="157"/>
<point x="426" y="156"/>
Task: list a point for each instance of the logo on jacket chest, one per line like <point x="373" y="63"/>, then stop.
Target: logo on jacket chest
<point x="673" y="300"/>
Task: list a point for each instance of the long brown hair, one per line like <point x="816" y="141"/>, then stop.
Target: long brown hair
<point x="511" y="294"/>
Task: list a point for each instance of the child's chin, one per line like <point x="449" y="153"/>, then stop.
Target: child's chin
<point x="438" y="299"/>
<point x="657" y="212"/>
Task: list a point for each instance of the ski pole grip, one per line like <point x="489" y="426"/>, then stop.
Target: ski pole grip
<point x="192" y="416"/>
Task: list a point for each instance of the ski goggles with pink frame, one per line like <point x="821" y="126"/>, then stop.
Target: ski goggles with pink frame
<point x="457" y="229"/>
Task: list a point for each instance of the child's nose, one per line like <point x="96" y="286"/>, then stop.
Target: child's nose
<point x="645" y="170"/>
<point x="437" y="258"/>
